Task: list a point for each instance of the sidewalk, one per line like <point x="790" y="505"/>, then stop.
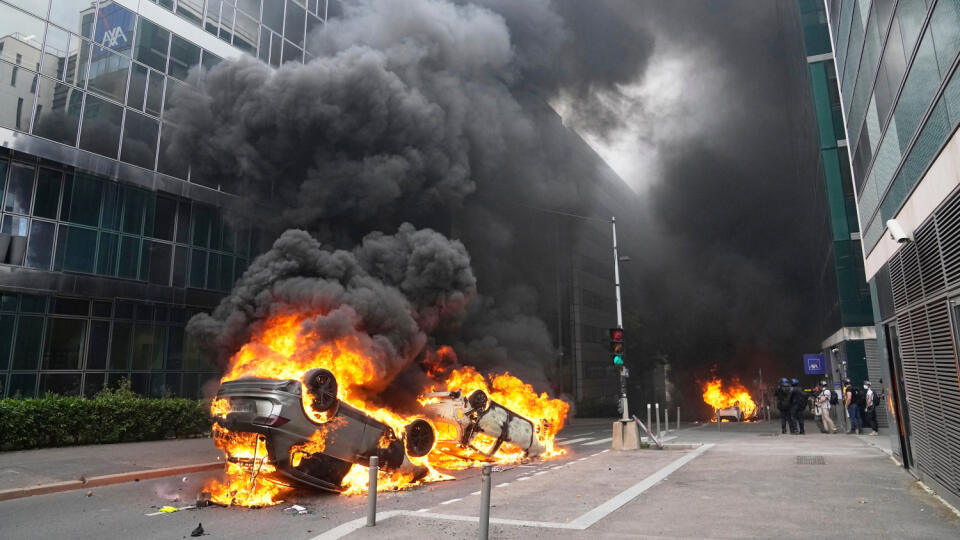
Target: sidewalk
<point x="31" y="468"/>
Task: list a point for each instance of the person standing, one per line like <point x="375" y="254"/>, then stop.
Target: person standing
<point x="783" y="405"/>
<point x="798" y="403"/>
<point x="823" y="401"/>
<point x="870" y="408"/>
<point x="851" y="398"/>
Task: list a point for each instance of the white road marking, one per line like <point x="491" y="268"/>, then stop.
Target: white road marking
<point x="541" y="472"/>
<point x="475" y="493"/>
<point x="451" y="501"/>
<point x="503" y="484"/>
<point x="605" y="451"/>
<point x="581" y="523"/>
<point x="601" y="441"/>
<point x="573" y="441"/>
<point x="595" y="455"/>
<point x="581" y="459"/>
<point x="522" y="478"/>
<point x="423" y="510"/>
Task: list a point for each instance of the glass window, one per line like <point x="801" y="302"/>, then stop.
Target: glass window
<point x="33" y="304"/>
<point x="48" y="194"/>
<point x="273" y="15"/>
<point x="19" y="189"/>
<point x="264" y="53"/>
<point x="8" y="302"/>
<point x="6" y="340"/>
<point x="107" y="254"/>
<point x="40" y="246"/>
<point x="291" y="53"/>
<point x="945" y="26"/>
<point x="23" y="385"/>
<point x="62" y="384"/>
<point x="70" y="306"/>
<point x="114" y="27"/>
<point x="183" y="222"/>
<point x="213" y="272"/>
<point x="252" y="7"/>
<point x="67" y="13"/>
<point x="165" y="214"/>
<point x="246" y="34"/>
<point x="155" y="93"/>
<point x="191" y="10"/>
<point x="202" y="217"/>
<point x="138" y="87"/>
<point x="15" y="225"/>
<point x="226" y="22"/>
<point x="64" y="343"/>
<point x="26" y="350"/>
<point x="101" y="127"/>
<point x="120" y="346"/>
<point x="143" y="273"/>
<point x="180" y="267"/>
<point x="276" y="46"/>
<point x="97" y="350"/>
<point x="167" y="161"/>
<point x="198" y="268"/>
<point x="139" y="140"/>
<point x="16" y="99"/>
<point x="78" y="62"/>
<point x="313" y="23"/>
<point x="134" y="204"/>
<point x="296" y="21"/>
<point x="102" y="309"/>
<point x="92" y="384"/>
<point x="79" y="249"/>
<point x="183" y="56"/>
<point x="142" y="346"/>
<point x="60" y="118"/>
<point x="160" y="255"/>
<point x="152" y="44"/>
<point x="922" y="82"/>
<point x="12" y="22"/>
<point x="129" y="257"/>
<point x="56" y="47"/>
<point x="81" y="200"/>
<point x="159" y="347"/>
<point x="108" y="73"/>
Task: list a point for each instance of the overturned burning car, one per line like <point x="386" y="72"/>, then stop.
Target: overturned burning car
<point x="311" y="437"/>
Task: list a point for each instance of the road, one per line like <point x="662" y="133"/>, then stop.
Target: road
<point x="740" y="483"/>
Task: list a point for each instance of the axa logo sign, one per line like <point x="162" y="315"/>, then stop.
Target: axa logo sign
<point x="113" y="38"/>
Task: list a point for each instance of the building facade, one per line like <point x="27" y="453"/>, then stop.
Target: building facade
<point x="896" y="64"/>
<point x="849" y="339"/>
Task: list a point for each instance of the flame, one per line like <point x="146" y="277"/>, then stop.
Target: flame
<point x="282" y="350"/>
<point x="717" y="397"/>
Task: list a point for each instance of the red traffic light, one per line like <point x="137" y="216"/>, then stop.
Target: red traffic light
<point x="616" y="334"/>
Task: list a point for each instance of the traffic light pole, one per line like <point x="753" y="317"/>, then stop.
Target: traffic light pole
<point x="624" y="411"/>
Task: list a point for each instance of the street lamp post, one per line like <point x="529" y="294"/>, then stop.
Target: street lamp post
<point x="624" y="410"/>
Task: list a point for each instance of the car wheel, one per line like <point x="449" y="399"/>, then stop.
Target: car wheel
<point x="419" y="438"/>
<point x="322" y="387"/>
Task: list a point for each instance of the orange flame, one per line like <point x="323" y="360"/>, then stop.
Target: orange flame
<point x="719" y="398"/>
<point x="281" y="350"/>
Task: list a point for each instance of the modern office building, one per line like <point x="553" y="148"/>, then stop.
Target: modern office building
<point x="896" y="64"/>
<point x="108" y="244"/>
<point x="849" y="341"/>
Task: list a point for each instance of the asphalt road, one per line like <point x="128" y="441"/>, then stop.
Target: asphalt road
<point x="121" y="511"/>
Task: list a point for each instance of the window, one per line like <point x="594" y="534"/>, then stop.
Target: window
<point x="17" y="104"/>
<point x="101" y="127"/>
<point x="19" y="189"/>
<point x="296" y="21"/>
<point x="60" y="121"/>
<point x="138" y="87"/>
<point x="97" y="350"/>
<point x="23" y="385"/>
<point x="152" y="44"/>
<point x="48" y="194"/>
<point x="40" y="246"/>
<point x="108" y="73"/>
<point x="140" y="140"/>
<point x="273" y="15"/>
<point x="81" y="200"/>
<point x="64" y="344"/>
<point x="114" y="27"/>
<point x="160" y="258"/>
<point x="26" y="351"/>
<point x="183" y="56"/>
<point x="13" y="76"/>
<point x="66" y="13"/>
<point x="165" y="213"/>
<point x="198" y="268"/>
<point x="6" y="340"/>
<point x="120" y="346"/>
<point x="79" y="249"/>
<point x="107" y="254"/>
<point x="129" y="257"/>
<point x="155" y="93"/>
<point x="169" y="162"/>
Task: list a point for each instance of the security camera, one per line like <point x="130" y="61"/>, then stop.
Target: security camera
<point x="897" y="233"/>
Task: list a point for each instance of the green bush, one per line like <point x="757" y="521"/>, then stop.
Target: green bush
<point x="111" y="416"/>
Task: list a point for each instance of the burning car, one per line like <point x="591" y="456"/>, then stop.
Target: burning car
<point x="477" y="414"/>
<point x="310" y="437"/>
<point x="733" y="414"/>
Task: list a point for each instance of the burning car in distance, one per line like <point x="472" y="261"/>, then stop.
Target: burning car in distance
<point x="317" y="448"/>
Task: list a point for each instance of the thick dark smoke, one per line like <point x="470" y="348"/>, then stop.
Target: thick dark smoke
<point x="432" y="112"/>
<point x="387" y="295"/>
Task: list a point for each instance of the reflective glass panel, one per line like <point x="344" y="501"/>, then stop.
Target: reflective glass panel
<point x="75" y="16"/>
<point x="26" y="350"/>
<point x="168" y="162"/>
<point x="6" y="340"/>
<point x="81" y="202"/>
<point x="79" y="250"/>
<point x="56" y="50"/>
<point x="40" y="246"/>
<point x="139" y="140"/>
<point x="60" y="120"/>
<point x="107" y="254"/>
<point x="183" y="56"/>
<point x="97" y="350"/>
<point x="38" y="7"/>
<point x="101" y="127"/>
<point x="138" y="87"/>
<point x="48" y="194"/>
<point x="22" y="35"/>
<point x="129" y="257"/>
<point x="160" y="258"/>
<point x="64" y="344"/>
<point x="246" y="33"/>
<point x="120" y="346"/>
<point x="19" y="189"/>
<point x="17" y="87"/>
<point x="152" y="44"/>
<point x="114" y="27"/>
<point x="273" y="15"/>
<point x="296" y="21"/>
<point x="155" y="93"/>
<point x="108" y="73"/>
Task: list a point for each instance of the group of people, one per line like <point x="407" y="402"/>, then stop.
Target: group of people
<point x="793" y="401"/>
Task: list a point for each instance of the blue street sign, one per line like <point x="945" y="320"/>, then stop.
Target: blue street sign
<point x="813" y="364"/>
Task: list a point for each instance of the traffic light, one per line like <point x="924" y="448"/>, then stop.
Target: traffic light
<point x="616" y="345"/>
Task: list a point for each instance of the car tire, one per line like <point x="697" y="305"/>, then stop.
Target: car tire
<point x="322" y="387"/>
<point x="419" y="438"/>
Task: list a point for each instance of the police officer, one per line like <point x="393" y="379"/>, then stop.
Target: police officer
<point x="782" y="394"/>
<point x="798" y="403"/>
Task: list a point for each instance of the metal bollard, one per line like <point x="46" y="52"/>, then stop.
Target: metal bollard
<point x="485" y="483"/>
<point x="659" y="432"/>
<point x="678" y="418"/>
<point x="649" y="425"/>
<point x="372" y="493"/>
<point x="666" y="419"/>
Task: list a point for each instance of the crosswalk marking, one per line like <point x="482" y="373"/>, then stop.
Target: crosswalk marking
<point x="600" y="441"/>
<point x="574" y="441"/>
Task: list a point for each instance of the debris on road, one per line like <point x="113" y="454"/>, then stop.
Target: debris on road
<point x="90" y="493"/>
<point x="168" y="509"/>
<point x="203" y="499"/>
<point x="297" y="509"/>
<point x="198" y="531"/>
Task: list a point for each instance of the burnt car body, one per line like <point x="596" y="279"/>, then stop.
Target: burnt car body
<point x="477" y="413"/>
<point x="275" y="409"/>
<point x="733" y="414"/>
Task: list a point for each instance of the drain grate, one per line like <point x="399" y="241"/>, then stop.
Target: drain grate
<point x="810" y="460"/>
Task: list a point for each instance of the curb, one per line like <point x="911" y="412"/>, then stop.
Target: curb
<point x="106" y="480"/>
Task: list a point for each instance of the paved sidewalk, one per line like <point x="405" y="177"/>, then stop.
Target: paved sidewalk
<point x="29" y="468"/>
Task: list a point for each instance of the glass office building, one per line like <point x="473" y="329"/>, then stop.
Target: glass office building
<point x="896" y="66"/>
<point x="108" y="245"/>
<point x="849" y="341"/>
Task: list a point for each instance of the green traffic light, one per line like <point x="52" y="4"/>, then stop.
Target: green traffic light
<point x="618" y="360"/>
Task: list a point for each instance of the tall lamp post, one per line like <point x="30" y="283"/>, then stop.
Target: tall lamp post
<point x="624" y="373"/>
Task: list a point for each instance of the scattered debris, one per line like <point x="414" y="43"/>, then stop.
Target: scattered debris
<point x="203" y="499"/>
<point x="297" y="509"/>
<point x="198" y="531"/>
<point x="90" y="493"/>
<point x="82" y="479"/>
<point x="862" y="501"/>
<point x="498" y="468"/>
<point x="168" y="509"/>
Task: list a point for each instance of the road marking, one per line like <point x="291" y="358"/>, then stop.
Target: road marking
<point x="595" y="455"/>
<point x="581" y="459"/>
<point x="475" y="493"/>
<point x="423" y="510"/>
<point x="503" y="484"/>
<point x="605" y="451"/>
<point x="522" y="478"/>
<point x="573" y="441"/>
<point x="541" y="472"/>
<point x="601" y="441"/>
<point x="451" y="501"/>
<point x="188" y="507"/>
<point x="583" y="522"/>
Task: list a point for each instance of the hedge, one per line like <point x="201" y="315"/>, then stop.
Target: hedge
<point x="111" y="416"/>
